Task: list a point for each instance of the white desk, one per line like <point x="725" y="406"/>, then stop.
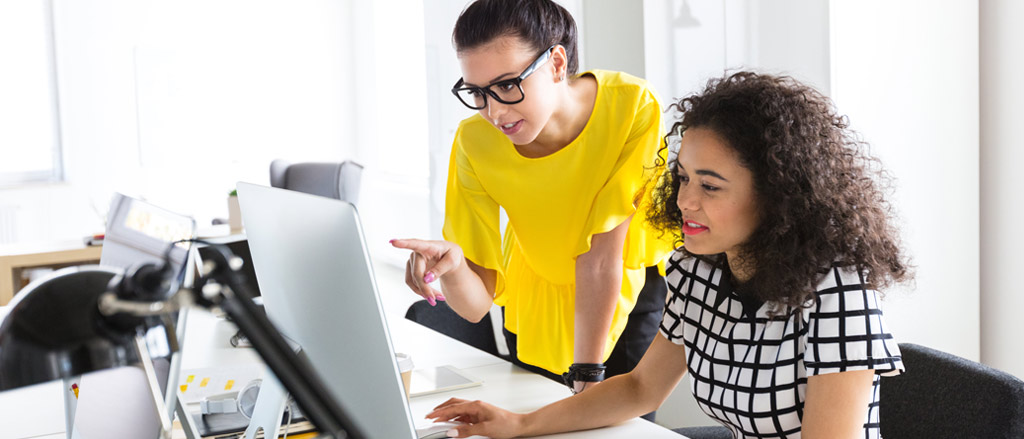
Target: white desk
<point x="37" y="412"/>
<point x="505" y="385"/>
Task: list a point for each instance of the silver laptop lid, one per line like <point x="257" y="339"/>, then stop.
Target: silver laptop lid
<point x="317" y="284"/>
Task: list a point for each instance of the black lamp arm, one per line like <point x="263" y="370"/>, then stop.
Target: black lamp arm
<point x="222" y="284"/>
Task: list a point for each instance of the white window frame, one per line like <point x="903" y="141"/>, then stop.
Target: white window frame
<point x="56" y="171"/>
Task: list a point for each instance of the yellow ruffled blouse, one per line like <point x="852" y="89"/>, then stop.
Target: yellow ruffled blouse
<point x="554" y="205"/>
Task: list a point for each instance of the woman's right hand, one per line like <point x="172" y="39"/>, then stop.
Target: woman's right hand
<point x="479" y="418"/>
<point x="429" y="261"/>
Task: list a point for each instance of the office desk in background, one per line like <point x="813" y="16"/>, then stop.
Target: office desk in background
<point x="16" y="258"/>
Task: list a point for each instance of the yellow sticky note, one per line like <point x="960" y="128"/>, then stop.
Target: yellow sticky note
<point x="204" y="382"/>
<point x="190" y="378"/>
<point x="184" y="387"/>
<point x="229" y="385"/>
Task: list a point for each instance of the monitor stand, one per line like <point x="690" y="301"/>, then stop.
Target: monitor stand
<point x="269" y="410"/>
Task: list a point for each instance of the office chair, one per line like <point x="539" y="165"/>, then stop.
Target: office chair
<point x="942" y="395"/>
<point x="340" y="181"/>
<point x="710" y="432"/>
<point x="443" y="319"/>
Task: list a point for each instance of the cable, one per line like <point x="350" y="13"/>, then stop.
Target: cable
<point x="288" y="425"/>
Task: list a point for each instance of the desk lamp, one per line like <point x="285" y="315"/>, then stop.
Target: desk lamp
<point x="85" y="319"/>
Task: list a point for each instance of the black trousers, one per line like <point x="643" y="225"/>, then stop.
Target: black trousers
<point x="641" y="327"/>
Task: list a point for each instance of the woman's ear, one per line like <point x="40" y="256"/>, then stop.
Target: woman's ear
<point x="560" y="62"/>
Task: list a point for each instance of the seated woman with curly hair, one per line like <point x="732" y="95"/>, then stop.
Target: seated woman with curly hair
<point x="774" y="299"/>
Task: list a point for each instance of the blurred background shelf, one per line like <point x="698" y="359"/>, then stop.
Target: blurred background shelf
<point x="16" y="259"/>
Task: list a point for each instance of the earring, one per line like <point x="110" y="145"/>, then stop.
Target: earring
<point x="561" y="78"/>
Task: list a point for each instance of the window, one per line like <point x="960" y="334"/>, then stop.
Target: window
<point x="29" y="136"/>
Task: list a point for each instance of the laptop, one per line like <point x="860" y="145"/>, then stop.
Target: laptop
<point x="136" y="232"/>
<point x="318" y="288"/>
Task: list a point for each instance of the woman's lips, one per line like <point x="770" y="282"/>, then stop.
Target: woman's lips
<point x="510" y="129"/>
<point x="693" y="228"/>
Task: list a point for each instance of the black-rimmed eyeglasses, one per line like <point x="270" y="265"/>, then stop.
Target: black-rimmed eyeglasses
<point x="506" y="91"/>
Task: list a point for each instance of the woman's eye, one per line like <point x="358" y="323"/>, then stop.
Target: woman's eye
<point x="505" y="86"/>
<point x="475" y="93"/>
<point x="709" y="188"/>
<point x="684" y="179"/>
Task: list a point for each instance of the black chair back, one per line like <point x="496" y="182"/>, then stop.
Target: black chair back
<point x="442" y="318"/>
<point x="944" y="396"/>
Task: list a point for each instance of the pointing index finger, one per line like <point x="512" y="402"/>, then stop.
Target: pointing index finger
<point x="415" y="245"/>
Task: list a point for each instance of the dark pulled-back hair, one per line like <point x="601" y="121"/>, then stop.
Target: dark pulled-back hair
<point x="819" y="193"/>
<point x="538" y="23"/>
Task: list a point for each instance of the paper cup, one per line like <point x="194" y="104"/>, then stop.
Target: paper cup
<point x="405" y="366"/>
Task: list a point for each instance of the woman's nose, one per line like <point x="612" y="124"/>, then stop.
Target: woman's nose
<point x="687" y="201"/>
<point x="495" y="110"/>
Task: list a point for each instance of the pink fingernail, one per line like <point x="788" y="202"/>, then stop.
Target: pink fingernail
<point x="392" y="241"/>
<point x="429" y="277"/>
<point x="431" y="301"/>
<point x="440" y="298"/>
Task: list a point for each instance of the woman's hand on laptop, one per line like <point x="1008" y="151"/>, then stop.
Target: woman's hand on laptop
<point x="479" y="418"/>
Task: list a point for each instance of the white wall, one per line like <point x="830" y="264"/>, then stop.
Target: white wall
<point x="391" y="122"/>
<point x="687" y="42"/>
<point x="613" y="31"/>
<point x="789" y="37"/>
<point x="906" y="73"/>
<point x="445" y="110"/>
<point x="1002" y="43"/>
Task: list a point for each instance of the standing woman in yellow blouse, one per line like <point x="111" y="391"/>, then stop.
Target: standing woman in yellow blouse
<point x="567" y="155"/>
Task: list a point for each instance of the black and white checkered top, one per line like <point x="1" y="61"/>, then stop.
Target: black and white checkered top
<point x="748" y="370"/>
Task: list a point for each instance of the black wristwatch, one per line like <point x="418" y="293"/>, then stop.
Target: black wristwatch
<point x="581" y="373"/>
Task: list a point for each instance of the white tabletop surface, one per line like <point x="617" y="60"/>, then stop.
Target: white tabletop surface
<point x="37" y="412"/>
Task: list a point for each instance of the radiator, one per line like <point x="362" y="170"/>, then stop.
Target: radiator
<point x="8" y="224"/>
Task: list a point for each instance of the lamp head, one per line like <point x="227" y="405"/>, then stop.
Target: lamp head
<point x="55" y="330"/>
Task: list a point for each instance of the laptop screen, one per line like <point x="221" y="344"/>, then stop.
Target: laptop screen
<point x="239" y="247"/>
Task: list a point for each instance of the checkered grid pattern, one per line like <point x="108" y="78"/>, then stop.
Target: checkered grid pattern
<point x="748" y="370"/>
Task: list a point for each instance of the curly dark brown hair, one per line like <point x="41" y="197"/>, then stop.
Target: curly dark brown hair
<point x="819" y="192"/>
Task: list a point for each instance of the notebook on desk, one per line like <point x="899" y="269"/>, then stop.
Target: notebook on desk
<point x="319" y="290"/>
<point x="440" y="379"/>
